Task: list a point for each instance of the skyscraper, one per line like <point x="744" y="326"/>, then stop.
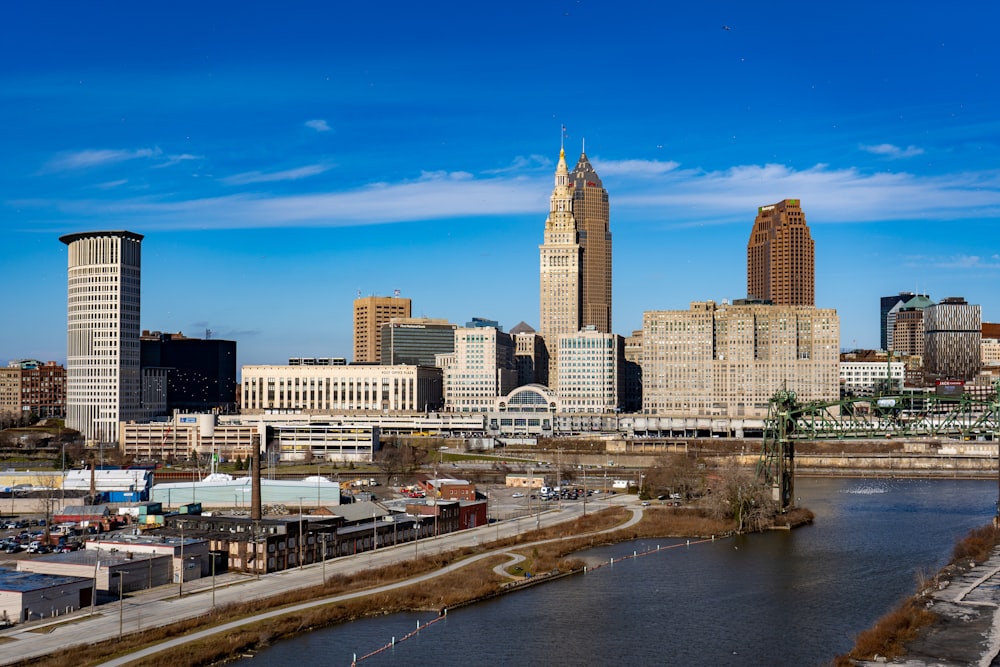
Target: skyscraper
<point x="103" y="381"/>
<point x="370" y="313"/>
<point x="590" y="209"/>
<point x="952" y="336"/>
<point x="575" y="257"/>
<point x="886" y="305"/>
<point x="780" y="256"/>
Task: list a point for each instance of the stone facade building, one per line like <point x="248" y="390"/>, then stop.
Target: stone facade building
<point x="781" y="256"/>
<point x="728" y="360"/>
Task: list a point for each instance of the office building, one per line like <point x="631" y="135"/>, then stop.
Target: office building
<point x="10" y="395"/>
<point x="530" y="356"/>
<point x="339" y="389"/>
<point x="200" y="373"/>
<point x="990" y="346"/>
<point x="952" y="340"/>
<point x="887" y="304"/>
<point x="479" y="370"/>
<point x="575" y="257"/>
<point x="591" y="369"/>
<point x="780" y="256"/>
<point x="370" y="313"/>
<point x="103" y="377"/>
<point x="632" y="377"/>
<point x="728" y="360"/>
<point x="415" y="341"/>
<point x="43" y="389"/>
<point x="905" y="326"/>
<point x="864" y="373"/>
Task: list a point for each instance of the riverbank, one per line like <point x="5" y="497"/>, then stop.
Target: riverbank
<point x="953" y="621"/>
<point x="459" y="575"/>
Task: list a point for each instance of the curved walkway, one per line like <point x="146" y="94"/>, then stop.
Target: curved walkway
<point x="208" y="632"/>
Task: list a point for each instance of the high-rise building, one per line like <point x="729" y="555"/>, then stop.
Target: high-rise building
<point x="200" y="372"/>
<point x="728" y="360"/>
<point x="952" y="340"/>
<point x="781" y="256"/>
<point x="103" y="381"/>
<point x="575" y="257"/>
<point x="530" y="356"/>
<point x="905" y="326"/>
<point x="370" y="313"/>
<point x="591" y="367"/>
<point x="632" y="377"/>
<point x="886" y="305"/>
<point x="414" y="341"/>
<point x="590" y="209"/>
<point x="480" y="370"/>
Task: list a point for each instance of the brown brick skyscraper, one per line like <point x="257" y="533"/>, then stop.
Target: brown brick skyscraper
<point x="780" y="256"/>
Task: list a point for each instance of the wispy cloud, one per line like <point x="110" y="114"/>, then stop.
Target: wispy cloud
<point x="653" y="192"/>
<point x="272" y="176"/>
<point x="685" y="196"/>
<point x="956" y="262"/>
<point x="890" y="151"/>
<point x="90" y="158"/>
<point x="319" y="125"/>
<point x="111" y="185"/>
<point x="171" y="160"/>
<point x="634" y="168"/>
<point x="521" y="164"/>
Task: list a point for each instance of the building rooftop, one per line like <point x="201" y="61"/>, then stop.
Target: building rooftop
<point x="22" y="582"/>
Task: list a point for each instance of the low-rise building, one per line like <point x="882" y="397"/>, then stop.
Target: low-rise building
<point x="29" y="596"/>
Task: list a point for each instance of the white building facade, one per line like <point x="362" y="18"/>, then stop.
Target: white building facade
<point x="479" y="370"/>
<point x="103" y="383"/>
<point x="335" y="389"/>
<point x="861" y="378"/>
<point x="590" y="371"/>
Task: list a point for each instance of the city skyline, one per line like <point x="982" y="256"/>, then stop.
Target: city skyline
<point x="278" y="163"/>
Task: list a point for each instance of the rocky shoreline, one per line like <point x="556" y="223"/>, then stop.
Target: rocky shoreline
<point x="964" y="600"/>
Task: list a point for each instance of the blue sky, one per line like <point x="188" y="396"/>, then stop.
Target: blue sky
<point x="281" y="158"/>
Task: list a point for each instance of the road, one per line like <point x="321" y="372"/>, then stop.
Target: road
<point x="161" y="606"/>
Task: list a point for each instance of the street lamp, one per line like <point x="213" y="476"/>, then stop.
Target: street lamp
<point x="325" y="535"/>
<point x="212" y="556"/>
<point x="301" y="538"/>
<point x="180" y="578"/>
<point x="416" y="536"/>
<point x="121" y="604"/>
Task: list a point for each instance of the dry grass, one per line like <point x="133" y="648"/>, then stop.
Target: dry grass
<point x="977" y="545"/>
<point x="890" y="634"/>
<point x="467" y="584"/>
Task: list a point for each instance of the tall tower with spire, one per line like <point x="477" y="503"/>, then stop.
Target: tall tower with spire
<point x="575" y="258"/>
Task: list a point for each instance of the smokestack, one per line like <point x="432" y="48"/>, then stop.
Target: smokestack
<point x="255" y="509"/>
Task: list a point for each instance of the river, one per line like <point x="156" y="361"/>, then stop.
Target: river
<point x="793" y="598"/>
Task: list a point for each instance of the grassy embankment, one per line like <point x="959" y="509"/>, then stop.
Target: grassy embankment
<point x="468" y="584"/>
<point x="891" y="633"/>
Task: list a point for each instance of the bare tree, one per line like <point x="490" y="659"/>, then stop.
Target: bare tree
<point x="396" y="458"/>
<point x="674" y="473"/>
<point x="740" y="495"/>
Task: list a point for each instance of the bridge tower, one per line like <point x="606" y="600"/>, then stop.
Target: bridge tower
<point x="776" y="468"/>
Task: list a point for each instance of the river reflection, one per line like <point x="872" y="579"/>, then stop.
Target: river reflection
<point x="782" y="598"/>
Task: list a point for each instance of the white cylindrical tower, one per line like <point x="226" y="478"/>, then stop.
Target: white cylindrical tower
<point x="103" y="382"/>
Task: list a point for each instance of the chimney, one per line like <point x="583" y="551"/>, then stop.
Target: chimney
<point x="255" y="509"/>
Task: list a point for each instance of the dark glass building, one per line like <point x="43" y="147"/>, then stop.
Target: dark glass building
<point x="415" y="340"/>
<point x="201" y="372"/>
